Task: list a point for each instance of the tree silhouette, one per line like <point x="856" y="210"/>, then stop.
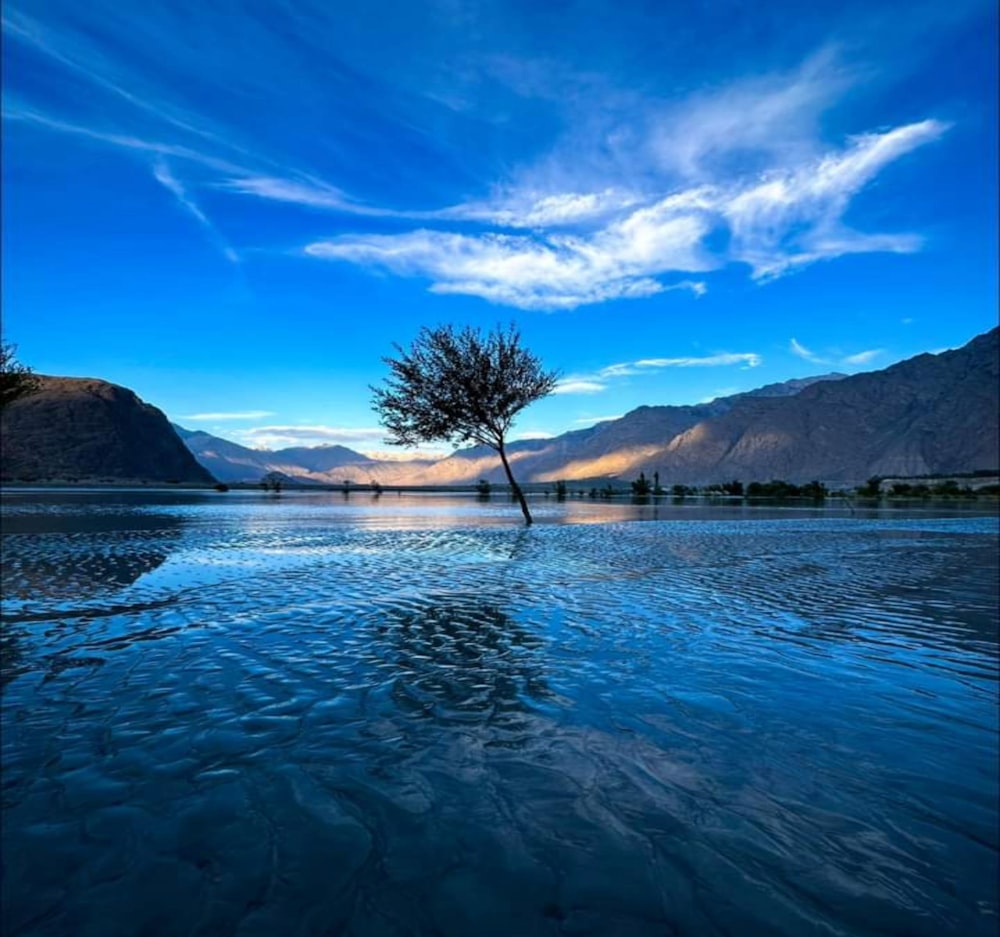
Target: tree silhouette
<point x="461" y="386"/>
<point x="16" y="380"/>
<point x="641" y="487"/>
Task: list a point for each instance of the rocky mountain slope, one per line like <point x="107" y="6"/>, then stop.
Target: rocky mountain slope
<point x="321" y="465"/>
<point x="231" y="462"/>
<point x="81" y="429"/>
<point x="931" y="413"/>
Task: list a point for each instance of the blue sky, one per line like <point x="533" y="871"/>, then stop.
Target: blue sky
<point x="236" y="208"/>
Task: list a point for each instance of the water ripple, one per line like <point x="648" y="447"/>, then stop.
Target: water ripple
<point x="250" y="717"/>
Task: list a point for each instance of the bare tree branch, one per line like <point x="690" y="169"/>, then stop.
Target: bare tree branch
<point x="16" y="380"/>
<point x="461" y="386"/>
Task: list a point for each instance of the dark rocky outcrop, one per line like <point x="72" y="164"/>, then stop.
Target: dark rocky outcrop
<point x="82" y="429"/>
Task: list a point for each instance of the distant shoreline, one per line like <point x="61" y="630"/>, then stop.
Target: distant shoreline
<point x="606" y="490"/>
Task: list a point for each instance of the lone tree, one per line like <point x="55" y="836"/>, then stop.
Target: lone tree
<point x="461" y="386"/>
<point x="16" y="380"/>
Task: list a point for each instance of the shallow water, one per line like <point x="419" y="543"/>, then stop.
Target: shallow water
<point x="242" y="714"/>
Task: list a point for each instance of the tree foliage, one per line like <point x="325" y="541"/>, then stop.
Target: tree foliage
<point x="461" y="386"/>
<point x="16" y="380"/>
<point x="871" y="488"/>
<point x="641" y="486"/>
<point x="272" y="481"/>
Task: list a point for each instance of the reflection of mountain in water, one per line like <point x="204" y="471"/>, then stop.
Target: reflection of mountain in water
<point x="73" y="569"/>
<point x="83" y="556"/>
<point x="85" y="575"/>
<point x="461" y="658"/>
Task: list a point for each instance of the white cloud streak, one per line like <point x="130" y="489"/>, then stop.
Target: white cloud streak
<point x="793" y="217"/>
<point x="854" y="360"/>
<point x="281" y="436"/>
<point x="406" y="455"/>
<point x="81" y="56"/>
<point x="578" y="386"/>
<point x="163" y="175"/>
<point x="599" y="380"/>
<point x="533" y="434"/>
<point x="630" y="203"/>
<point x="800" y="350"/>
<point x="534" y="209"/>
<point x="863" y="357"/>
<point x="559" y="271"/>
<point x="747" y="359"/>
<point x="771" y="119"/>
<point x="591" y="420"/>
<point x="790" y="218"/>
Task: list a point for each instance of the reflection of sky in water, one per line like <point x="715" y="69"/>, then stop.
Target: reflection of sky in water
<point x="420" y="718"/>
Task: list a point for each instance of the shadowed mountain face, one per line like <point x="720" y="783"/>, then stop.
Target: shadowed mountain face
<point x="231" y="462"/>
<point x="321" y="465"/>
<point x="89" y="430"/>
<point x="548" y="458"/>
<point x="931" y="413"/>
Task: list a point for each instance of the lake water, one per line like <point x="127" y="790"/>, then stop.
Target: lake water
<point x="241" y="714"/>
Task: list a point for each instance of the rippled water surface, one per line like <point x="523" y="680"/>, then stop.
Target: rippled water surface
<point x="248" y="715"/>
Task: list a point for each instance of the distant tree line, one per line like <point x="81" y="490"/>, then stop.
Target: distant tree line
<point x="948" y="487"/>
<point x="779" y="489"/>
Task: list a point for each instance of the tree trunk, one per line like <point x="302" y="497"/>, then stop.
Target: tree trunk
<point x="514" y="486"/>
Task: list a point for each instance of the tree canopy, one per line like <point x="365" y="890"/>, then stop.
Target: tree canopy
<point x="461" y="386"/>
<point x="16" y="380"/>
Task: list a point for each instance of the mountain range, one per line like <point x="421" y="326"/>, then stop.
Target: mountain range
<point x="83" y="429"/>
<point x="934" y="413"/>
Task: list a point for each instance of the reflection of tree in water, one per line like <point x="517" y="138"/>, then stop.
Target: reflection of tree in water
<point x="462" y="657"/>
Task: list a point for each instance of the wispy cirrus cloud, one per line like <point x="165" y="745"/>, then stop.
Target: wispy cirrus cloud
<point x="799" y="350"/>
<point x="163" y="175"/>
<point x="536" y="209"/>
<point x="788" y="220"/>
<point x="533" y="434"/>
<point x="591" y="420"/>
<point x="557" y="271"/>
<point x="637" y="196"/>
<point x="280" y="436"/>
<point x="857" y="359"/>
<point x="747" y="359"/>
<point x="341" y="434"/>
<point x="795" y="217"/>
<point x="578" y="386"/>
<point x="366" y="441"/>
<point x="862" y="357"/>
<point x="601" y="379"/>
